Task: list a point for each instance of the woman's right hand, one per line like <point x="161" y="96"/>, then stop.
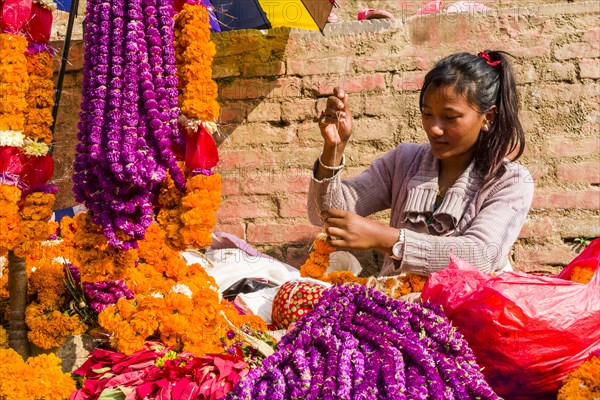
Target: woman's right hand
<point x="335" y="122"/>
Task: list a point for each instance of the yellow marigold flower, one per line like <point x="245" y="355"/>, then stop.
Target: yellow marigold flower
<point x="3" y="338"/>
<point x="583" y="383"/>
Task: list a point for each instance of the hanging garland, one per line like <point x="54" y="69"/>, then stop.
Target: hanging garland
<point x="128" y="115"/>
<point x="188" y="217"/>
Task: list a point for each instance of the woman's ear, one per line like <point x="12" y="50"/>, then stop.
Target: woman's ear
<point x="491" y="114"/>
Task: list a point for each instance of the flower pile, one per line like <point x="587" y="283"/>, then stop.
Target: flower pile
<point x="35" y="222"/>
<point x="177" y="303"/>
<point x="14" y="83"/>
<point x="584" y="382"/>
<point x="40" y="99"/>
<point x="10" y="234"/>
<point x="318" y="261"/>
<point x="128" y="117"/>
<point x="157" y="372"/>
<point x="360" y="343"/>
<point x="39" y="378"/>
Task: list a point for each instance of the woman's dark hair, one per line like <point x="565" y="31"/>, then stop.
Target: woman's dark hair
<point x="484" y="83"/>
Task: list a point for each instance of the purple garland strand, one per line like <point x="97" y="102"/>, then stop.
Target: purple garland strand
<point x="128" y="113"/>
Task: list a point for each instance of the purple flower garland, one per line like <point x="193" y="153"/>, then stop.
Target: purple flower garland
<point x="128" y="116"/>
<point x="358" y="343"/>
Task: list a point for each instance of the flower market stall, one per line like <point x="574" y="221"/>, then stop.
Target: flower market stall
<point x="172" y="311"/>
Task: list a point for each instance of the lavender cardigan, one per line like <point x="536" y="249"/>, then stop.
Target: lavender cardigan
<point x="479" y="224"/>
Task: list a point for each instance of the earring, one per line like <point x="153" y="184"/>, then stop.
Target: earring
<point x="485" y="127"/>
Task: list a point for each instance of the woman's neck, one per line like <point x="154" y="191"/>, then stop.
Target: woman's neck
<point x="450" y="171"/>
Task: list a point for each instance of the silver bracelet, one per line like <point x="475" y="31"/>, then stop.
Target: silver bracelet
<point x="329" y="168"/>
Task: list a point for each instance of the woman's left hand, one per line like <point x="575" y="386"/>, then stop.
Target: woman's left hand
<point x="348" y="230"/>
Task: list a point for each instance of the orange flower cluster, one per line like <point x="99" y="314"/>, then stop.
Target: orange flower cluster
<point x="40" y="99"/>
<point x="195" y="52"/>
<point x="40" y="377"/>
<point x="583" y="383"/>
<point x="97" y="260"/>
<point x="48" y="326"/>
<point x="178" y="303"/>
<point x="188" y="218"/>
<point x="582" y="274"/>
<point x="35" y="222"/>
<point x="169" y="216"/>
<point x="14" y="82"/>
<point x="10" y="234"/>
<point x="199" y="208"/>
<point x="48" y="329"/>
<point x="318" y="261"/>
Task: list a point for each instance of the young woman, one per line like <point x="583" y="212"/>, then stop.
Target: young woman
<point x="458" y="193"/>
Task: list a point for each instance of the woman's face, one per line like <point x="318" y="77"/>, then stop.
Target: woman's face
<point x="452" y="125"/>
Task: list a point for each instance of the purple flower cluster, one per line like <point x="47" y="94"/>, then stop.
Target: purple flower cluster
<point x="129" y="113"/>
<point x="102" y="294"/>
<point x="358" y="343"/>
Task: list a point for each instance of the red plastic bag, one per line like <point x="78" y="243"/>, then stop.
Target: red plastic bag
<point x="527" y="332"/>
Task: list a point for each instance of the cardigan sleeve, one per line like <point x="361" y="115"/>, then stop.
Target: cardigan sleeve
<point x="487" y="241"/>
<point x="364" y="194"/>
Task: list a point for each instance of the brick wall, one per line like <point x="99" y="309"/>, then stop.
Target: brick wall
<point x="274" y="84"/>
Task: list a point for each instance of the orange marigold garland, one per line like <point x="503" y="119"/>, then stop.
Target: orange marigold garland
<point x="584" y="382"/>
<point x="10" y="234"/>
<point x="199" y="208"/>
<point x="318" y="262"/>
<point x="40" y="377"/>
<point x="195" y="54"/>
<point x="35" y="222"/>
<point x="39" y="97"/>
<point x="14" y="83"/>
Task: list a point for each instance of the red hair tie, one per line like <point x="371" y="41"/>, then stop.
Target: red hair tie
<point x="486" y="56"/>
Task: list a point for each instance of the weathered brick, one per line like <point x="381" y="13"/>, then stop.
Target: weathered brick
<point x="368" y="129"/>
<point x="575" y="50"/>
<point x="299" y="158"/>
<point x="391" y="105"/>
<point x="238" y="207"/>
<point x="235" y="228"/>
<point x="279" y="233"/>
<point x="309" y="135"/>
<point x="564" y="146"/>
<point x="557" y="71"/>
<point x="265" y="112"/>
<point x="588" y="172"/>
<point x="293" y="205"/>
<point x="537" y="228"/>
<point x="250" y="135"/>
<point x="582" y="199"/>
<point x="260" y="88"/>
<point x="589" y="68"/>
<point x="554" y="254"/>
<point x="525" y="73"/>
<point x="246" y="159"/>
<point x="275" y="181"/>
<point x="299" y="110"/>
<point x="576" y="227"/>
<point x="323" y="86"/>
<point x="592" y="36"/>
<point x="225" y="69"/>
<point x="232" y="112"/>
<point x="230" y="184"/>
<point x="272" y="68"/>
<point x="320" y="66"/>
<point x="408" y="81"/>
